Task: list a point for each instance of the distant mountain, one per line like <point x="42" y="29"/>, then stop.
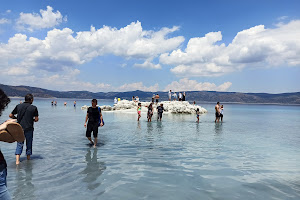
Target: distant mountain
<point x="198" y="96"/>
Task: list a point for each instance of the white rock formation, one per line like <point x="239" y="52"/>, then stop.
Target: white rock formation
<point x="169" y="106"/>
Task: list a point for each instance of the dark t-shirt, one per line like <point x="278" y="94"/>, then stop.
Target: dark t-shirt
<point x="28" y="111"/>
<point x="160" y="109"/>
<point x="2" y="161"/>
<point x="94" y="115"/>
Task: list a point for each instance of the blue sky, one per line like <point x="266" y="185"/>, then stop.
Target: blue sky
<point x="242" y="46"/>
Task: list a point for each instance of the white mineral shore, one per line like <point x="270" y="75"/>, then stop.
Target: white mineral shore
<point x="169" y="107"/>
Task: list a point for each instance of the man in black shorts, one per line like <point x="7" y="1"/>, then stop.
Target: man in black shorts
<point x="156" y="98"/>
<point x="217" y="109"/>
<point x="93" y="115"/>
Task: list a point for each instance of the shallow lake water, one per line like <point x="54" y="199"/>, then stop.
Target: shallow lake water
<point x="253" y="154"/>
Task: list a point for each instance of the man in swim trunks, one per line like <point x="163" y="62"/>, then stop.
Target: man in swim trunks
<point x="93" y="115"/>
<point x="217" y="109"/>
<point x="156" y="98"/>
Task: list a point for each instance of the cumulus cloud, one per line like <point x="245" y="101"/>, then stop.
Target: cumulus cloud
<point x="148" y="65"/>
<point x="186" y="84"/>
<point x="137" y="86"/>
<point x="254" y="47"/>
<point x="34" y="21"/>
<point x="61" y="52"/>
<point x="4" y="21"/>
<point x="61" y="49"/>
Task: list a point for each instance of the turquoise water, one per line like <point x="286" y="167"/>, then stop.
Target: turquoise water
<point x="253" y="154"/>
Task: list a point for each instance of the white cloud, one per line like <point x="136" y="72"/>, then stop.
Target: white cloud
<point x="4" y="21"/>
<point x="8" y="11"/>
<point x="254" y="47"/>
<point x="192" y="85"/>
<point x="148" y="65"/>
<point x="15" y="71"/>
<point x="46" y="19"/>
<point x="53" y="61"/>
<point x="282" y="18"/>
<point x="61" y="49"/>
<point x="137" y="86"/>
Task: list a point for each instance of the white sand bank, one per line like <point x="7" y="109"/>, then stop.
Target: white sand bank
<point x="169" y="106"/>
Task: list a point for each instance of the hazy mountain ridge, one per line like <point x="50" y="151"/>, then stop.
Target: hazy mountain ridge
<point x="198" y="96"/>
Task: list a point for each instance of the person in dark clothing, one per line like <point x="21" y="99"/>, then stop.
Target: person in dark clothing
<point x="150" y="112"/>
<point x="27" y="114"/>
<point x="160" y="110"/>
<point x="4" y="194"/>
<point x="10" y="131"/>
<point x="93" y="117"/>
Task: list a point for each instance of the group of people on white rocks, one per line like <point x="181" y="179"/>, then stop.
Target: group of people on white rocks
<point x="181" y="96"/>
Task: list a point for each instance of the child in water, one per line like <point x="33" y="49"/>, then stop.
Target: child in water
<point x="139" y="109"/>
<point x="221" y="113"/>
<point x="197" y="113"/>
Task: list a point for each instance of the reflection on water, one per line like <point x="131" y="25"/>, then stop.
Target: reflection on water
<point x="93" y="169"/>
<point x="218" y="128"/>
<point x="24" y="186"/>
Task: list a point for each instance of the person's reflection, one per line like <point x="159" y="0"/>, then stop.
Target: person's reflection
<point x="138" y="126"/>
<point x="24" y="188"/>
<point x="93" y="169"/>
<point x="218" y="128"/>
<point x="149" y="127"/>
<point x="197" y="128"/>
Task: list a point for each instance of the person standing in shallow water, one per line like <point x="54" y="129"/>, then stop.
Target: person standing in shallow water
<point x="92" y="117"/>
<point x="221" y="113"/>
<point x="160" y="110"/>
<point x="198" y="114"/>
<point x="217" y="110"/>
<point x="4" y="194"/>
<point x="27" y="114"/>
<point x="150" y="112"/>
<point x="139" y="110"/>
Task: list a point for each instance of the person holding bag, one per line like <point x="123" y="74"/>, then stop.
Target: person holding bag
<point x="10" y="131"/>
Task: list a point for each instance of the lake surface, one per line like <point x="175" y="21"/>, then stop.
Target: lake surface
<point x="253" y="154"/>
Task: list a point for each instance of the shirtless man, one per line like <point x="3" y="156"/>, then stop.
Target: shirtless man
<point x="217" y="109"/>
